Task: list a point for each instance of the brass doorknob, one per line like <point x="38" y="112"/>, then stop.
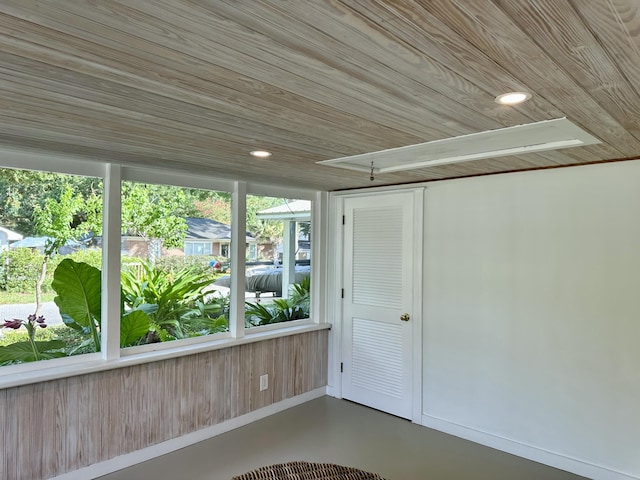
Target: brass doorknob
<point x="405" y="317"/>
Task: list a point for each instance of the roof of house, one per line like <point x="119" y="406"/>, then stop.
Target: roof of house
<point x="11" y="235"/>
<point x="207" y="229"/>
<point x="296" y="210"/>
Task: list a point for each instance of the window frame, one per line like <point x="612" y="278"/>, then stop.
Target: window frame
<point x="111" y="355"/>
<point x="192" y="244"/>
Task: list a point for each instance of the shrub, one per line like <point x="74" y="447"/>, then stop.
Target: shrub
<point x="197" y="264"/>
<point x="20" y="269"/>
<point x="91" y="256"/>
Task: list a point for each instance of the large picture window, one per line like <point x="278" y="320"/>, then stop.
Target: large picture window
<point x="107" y="261"/>
<point x="50" y="265"/>
<point x="174" y="256"/>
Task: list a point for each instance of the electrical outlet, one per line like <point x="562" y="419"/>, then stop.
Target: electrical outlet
<point x="264" y="382"/>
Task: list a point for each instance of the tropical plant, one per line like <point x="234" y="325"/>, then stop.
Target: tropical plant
<point x="300" y="295"/>
<point x="281" y="310"/>
<point x="202" y="319"/>
<point x="30" y="350"/>
<point x="78" y="286"/>
<point x="257" y="314"/>
<point x="170" y="299"/>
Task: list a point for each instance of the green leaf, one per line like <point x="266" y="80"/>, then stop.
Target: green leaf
<point x="133" y="326"/>
<point x="78" y="287"/>
<point x="215" y="325"/>
<point x="22" y="351"/>
<point x="87" y="342"/>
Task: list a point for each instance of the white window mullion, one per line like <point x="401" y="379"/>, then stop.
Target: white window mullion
<point x="319" y="256"/>
<point x="238" y="241"/>
<point x="110" y="340"/>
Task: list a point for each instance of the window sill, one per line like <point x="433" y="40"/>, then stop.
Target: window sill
<point x="83" y="367"/>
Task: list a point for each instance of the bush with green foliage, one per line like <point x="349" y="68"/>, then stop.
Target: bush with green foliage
<point x="21" y="267"/>
<point x="199" y="264"/>
<point x="176" y="302"/>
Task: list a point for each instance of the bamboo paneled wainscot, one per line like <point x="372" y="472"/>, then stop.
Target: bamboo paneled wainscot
<point x="58" y="426"/>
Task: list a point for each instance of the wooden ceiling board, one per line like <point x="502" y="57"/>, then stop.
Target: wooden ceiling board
<point x="490" y="27"/>
<point x="383" y="60"/>
<point x="194" y="86"/>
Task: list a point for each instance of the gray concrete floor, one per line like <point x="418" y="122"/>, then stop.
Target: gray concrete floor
<point x="337" y="431"/>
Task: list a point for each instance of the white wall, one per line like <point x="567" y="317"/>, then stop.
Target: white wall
<point x="532" y="309"/>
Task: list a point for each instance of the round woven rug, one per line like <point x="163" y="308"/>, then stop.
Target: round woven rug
<point x="307" y="471"/>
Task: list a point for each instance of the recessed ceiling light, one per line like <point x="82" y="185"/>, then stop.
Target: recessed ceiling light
<point x="513" y="98"/>
<point x="261" y="153"/>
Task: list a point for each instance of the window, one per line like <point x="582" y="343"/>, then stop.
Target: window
<point x="169" y="288"/>
<point x="278" y="278"/>
<point x="50" y="246"/>
<point x="197" y="248"/>
<point x="170" y="238"/>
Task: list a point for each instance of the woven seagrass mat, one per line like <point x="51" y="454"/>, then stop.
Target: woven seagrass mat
<point x="307" y="471"/>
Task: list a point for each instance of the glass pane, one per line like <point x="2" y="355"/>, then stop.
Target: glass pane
<point x="278" y="272"/>
<point x="169" y="275"/>
<point x="50" y="245"/>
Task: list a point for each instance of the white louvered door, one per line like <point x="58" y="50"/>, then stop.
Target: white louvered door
<point x="379" y="254"/>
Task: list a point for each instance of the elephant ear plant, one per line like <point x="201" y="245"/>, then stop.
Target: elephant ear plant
<point x="78" y="287"/>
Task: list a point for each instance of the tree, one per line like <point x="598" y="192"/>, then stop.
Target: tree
<point x="156" y="213"/>
<point x="61" y="219"/>
<point x="216" y="208"/>
<point x="23" y="191"/>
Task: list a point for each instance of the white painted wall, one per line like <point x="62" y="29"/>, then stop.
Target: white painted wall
<point x="532" y="310"/>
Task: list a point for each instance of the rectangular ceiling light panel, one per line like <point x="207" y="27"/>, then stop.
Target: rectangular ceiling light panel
<point x="532" y="137"/>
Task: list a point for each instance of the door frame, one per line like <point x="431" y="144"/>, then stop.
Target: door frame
<point x="335" y="278"/>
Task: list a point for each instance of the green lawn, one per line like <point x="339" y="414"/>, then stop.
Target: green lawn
<point x="8" y="298"/>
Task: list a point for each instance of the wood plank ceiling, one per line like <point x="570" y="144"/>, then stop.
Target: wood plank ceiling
<point x="196" y="85"/>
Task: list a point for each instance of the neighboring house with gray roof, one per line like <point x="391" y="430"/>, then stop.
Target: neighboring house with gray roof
<point x="209" y="237"/>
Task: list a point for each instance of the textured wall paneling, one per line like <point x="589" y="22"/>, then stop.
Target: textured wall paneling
<point x="59" y="426"/>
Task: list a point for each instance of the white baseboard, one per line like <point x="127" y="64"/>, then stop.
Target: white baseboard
<point x="333" y="392"/>
<point x="556" y="460"/>
<point x="133" y="458"/>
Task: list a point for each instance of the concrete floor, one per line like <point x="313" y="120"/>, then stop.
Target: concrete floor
<point x="337" y="431"/>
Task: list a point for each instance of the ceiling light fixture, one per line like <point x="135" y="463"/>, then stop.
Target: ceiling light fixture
<point x="512" y="98"/>
<point x="261" y="153"/>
